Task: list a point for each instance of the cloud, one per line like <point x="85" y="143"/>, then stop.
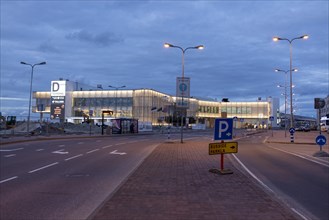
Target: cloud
<point x="100" y="39"/>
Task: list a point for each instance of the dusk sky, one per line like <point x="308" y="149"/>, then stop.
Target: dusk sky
<point x="121" y="43"/>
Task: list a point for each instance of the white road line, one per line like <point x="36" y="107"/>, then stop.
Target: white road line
<point x="107" y="146"/>
<point x="120" y="144"/>
<point x="251" y="174"/>
<point x="9" y="150"/>
<point x="264" y="185"/>
<point x="70" y="158"/>
<point x="99" y="141"/>
<point x="116" y="152"/>
<point x="80" y="142"/>
<point x="92" y="151"/>
<point x="62" y="145"/>
<point x="60" y="152"/>
<point x="44" y="167"/>
<point x="300" y="156"/>
<point x="10" y="155"/>
<point x="298" y="213"/>
<point x="39" y="150"/>
<point x="6" y="180"/>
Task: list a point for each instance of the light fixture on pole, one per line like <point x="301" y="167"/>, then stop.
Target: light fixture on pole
<point x="116" y="101"/>
<point x="290" y="70"/>
<point x="285" y="97"/>
<point x="29" y="113"/>
<point x="199" y="47"/>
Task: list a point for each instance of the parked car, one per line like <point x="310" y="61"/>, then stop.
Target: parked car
<point x="303" y="128"/>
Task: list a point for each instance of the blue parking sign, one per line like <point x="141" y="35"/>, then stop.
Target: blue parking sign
<point x="223" y="129"/>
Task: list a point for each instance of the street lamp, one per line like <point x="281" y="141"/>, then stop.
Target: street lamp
<point x="285" y="97"/>
<point x="290" y="70"/>
<point x="29" y="113"/>
<point x="199" y="47"/>
<point x="116" y="101"/>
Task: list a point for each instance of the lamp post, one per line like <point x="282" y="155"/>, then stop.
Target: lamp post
<point x="285" y="97"/>
<point x="199" y="47"/>
<point x="116" y="101"/>
<point x="290" y="70"/>
<point x="29" y="113"/>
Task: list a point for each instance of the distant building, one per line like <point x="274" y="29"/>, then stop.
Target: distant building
<point x="71" y="102"/>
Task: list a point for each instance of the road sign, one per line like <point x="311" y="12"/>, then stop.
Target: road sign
<point x="223" y="148"/>
<point x="321" y="140"/>
<point x="292" y="130"/>
<point x="271" y="118"/>
<point x="319" y="103"/>
<point x="223" y="129"/>
<point x="183" y="87"/>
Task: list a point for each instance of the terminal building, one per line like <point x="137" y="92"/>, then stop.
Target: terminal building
<point x="73" y="102"/>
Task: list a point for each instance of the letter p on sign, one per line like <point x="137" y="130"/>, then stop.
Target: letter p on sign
<point x="223" y="129"/>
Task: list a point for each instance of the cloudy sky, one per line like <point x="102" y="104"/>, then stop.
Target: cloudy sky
<point x="121" y="43"/>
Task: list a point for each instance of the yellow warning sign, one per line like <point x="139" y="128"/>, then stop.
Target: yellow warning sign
<point x="223" y="148"/>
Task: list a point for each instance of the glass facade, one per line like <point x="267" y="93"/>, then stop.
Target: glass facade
<point x="154" y="107"/>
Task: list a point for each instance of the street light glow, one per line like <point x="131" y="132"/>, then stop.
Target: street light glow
<point x="276" y="38"/>
<point x="166" y="45"/>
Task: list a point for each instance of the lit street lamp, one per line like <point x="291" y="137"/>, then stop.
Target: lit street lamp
<point x="199" y="47"/>
<point x="116" y="101"/>
<point x="29" y="113"/>
<point x="290" y="70"/>
<point x="285" y="97"/>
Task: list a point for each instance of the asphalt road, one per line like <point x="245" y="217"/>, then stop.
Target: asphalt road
<point x="66" y="179"/>
<point x="300" y="181"/>
<point x="69" y="179"/>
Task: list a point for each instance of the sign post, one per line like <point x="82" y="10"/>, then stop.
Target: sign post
<point x="105" y="112"/>
<point x="271" y="120"/>
<point x="292" y="131"/>
<point x="223" y="131"/>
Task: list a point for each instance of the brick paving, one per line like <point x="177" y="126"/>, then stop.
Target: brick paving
<point x="174" y="183"/>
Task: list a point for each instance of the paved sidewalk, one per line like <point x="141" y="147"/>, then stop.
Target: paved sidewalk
<point x="174" y="183"/>
<point x="304" y="143"/>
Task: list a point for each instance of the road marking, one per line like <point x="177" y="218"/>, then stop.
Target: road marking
<point x="70" y="158"/>
<point x="92" y="151"/>
<point x="6" y="180"/>
<point x="60" y="152"/>
<point x="9" y="150"/>
<point x="99" y="141"/>
<point x="44" y="167"/>
<point x="62" y="145"/>
<point x="264" y="185"/>
<point x="120" y="144"/>
<point x="251" y="174"/>
<point x="80" y="142"/>
<point x="300" y="156"/>
<point x="10" y="155"/>
<point x="39" y="150"/>
<point x="298" y="213"/>
<point x="107" y="146"/>
<point x="119" y="153"/>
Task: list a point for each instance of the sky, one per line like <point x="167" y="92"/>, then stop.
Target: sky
<point x="121" y="43"/>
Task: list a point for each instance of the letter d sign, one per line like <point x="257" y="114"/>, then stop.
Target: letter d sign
<point x="55" y="87"/>
<point x="223" y="129"/>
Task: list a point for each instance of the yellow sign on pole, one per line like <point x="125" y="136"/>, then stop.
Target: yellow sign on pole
<point x="223" y="148"/>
